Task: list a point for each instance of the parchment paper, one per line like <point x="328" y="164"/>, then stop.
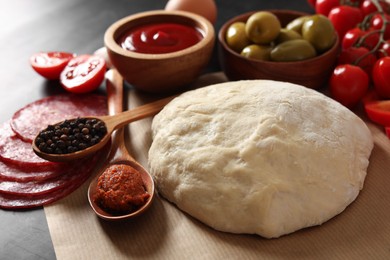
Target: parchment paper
<point x="362" y="231"/>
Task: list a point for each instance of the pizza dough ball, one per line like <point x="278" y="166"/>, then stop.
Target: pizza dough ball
<point x="259" y="157"/>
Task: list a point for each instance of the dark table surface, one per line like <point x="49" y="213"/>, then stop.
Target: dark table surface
<point x="75" y="26"/>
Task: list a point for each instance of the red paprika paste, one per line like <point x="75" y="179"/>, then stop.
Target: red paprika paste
<point x="120" y="189"/>
<point x="160" y="38"/>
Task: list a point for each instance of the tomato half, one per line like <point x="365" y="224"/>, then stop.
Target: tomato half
<point x="378" y="111"/>
<point x="83" y="73"/>
<point x="50" y="64"/>
<point x="348" y="84"/>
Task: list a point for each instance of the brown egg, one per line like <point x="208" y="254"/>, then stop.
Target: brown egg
<point x="205" y="8"/>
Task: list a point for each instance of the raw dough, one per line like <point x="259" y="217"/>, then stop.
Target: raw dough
<point x="259" y="157"/>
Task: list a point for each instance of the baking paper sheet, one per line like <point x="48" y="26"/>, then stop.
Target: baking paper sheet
<point x="362" y="231"/>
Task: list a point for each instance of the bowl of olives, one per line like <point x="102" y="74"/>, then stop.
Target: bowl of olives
<point x="281" y="45"/>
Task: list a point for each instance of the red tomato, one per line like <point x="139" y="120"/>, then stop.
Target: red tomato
<point x="312" y="3"/>
<point x="354" y="56"/>
<point x="381" y="77"/>
<point x="377" y="24"/>
<point x="324" y="6"/>
<point x="384" y="49"/>
<point x="345" y="18"/>
<point x="348" y="84"/>
<point x="377" y="110"/>
<point x="387" y="130"/>
<point x="83" y="74"/>
<point x="356" y="36"/>
<point x="50" y="64"/>
<point x="368" y="7"/>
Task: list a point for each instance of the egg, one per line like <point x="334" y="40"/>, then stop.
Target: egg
<point x="205" y="8"/>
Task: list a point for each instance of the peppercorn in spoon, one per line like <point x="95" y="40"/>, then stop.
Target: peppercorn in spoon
<point x="123" y="189"/>
<point x="80" y="137"/>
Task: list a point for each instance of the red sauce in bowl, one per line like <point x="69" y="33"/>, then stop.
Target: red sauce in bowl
<point x="160" y="38"/>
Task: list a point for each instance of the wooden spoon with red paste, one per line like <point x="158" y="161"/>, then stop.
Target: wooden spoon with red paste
<point x="123" y="189"/>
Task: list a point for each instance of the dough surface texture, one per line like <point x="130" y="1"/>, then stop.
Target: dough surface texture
<point x="258" y="156"/>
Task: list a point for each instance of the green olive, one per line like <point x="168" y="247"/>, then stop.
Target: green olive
<point x="293" y="50"/>
<point x="236" y="37"/>
<point x="258" y="52"/>
<point x="262" y="27"/>
<point x="287" y="35"/>
<point x="319" y="31"/>
<point x="296" y="24"/>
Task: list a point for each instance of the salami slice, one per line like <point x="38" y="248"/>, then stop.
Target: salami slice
<point x="29" y="120"/>
<point x="23" y="201"/>
<point x="19" y="202"/>
<point x="13" y="173"/>
<point x="38" y="188"/>
<point x="12" y="202"/>
<point x="16" y="152"/>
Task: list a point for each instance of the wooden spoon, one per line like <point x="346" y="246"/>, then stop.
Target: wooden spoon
<point x="112" y="122"/>
<point x="119" y="153"/>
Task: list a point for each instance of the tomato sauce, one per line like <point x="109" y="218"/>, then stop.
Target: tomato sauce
<point x="160" y="38"/>
<point x="121" y="190"/>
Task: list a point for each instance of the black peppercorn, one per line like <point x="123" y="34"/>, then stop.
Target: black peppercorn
<point x="70" y="135"/>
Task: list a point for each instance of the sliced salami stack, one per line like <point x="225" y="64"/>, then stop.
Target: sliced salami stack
<point x="26" y="180"/>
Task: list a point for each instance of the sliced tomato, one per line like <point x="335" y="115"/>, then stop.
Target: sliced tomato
<point x="387" y="130"/>
<point x="83" y="73"/>
<point x="377" y="110"/>
<point x="50" y="64"/>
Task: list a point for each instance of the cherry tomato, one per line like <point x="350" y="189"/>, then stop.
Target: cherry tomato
<point x="50" y="64"/>
<point x="83" y="73"/>
<point x="312" y="3"/>
<point x="381" y="77"/>
<point x="348" y="84"/>
<point x="387" y="130"/>
<point x="377" y="24"/>
<point x="368" y="7"/>
<point x="345" y="18"/>
<point x="384" y="49"/>
<point x="377" y="110"/>
<point x="324" y="6"/>
<point x="353" y="55"/>
<point x="368" y="39"/>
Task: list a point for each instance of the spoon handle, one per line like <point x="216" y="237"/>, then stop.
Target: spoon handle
<point x="114" y="85"/>
<point x="150" y="109"/>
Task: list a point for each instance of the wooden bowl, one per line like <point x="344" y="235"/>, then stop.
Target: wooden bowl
<point x="312" y="73"/>
<point x="160" y="73"/>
